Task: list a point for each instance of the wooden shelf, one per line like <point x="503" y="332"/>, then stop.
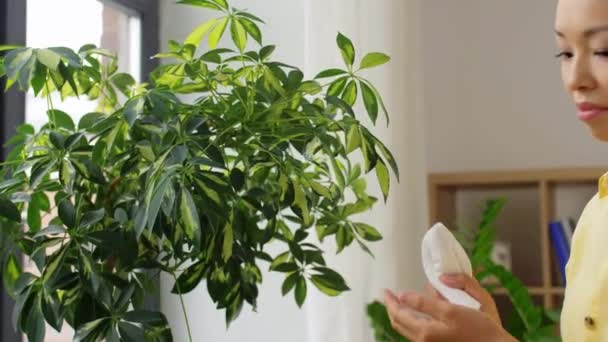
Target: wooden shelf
<point x="542" y="189"/>
<point x="516" y="177"/>
<point x="535" y="291"/>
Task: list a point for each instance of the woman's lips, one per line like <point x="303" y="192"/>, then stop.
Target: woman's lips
<point x="589" y="111"/>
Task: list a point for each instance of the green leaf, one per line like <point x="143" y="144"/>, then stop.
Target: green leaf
<point x="301" y="204"/>
<point x="280" y="259"/>
<point x="250" y="16"/>
<point x="51" y="271"/>
<point x="33" y="217"/>
<point x="345" y="107"/>
<point x="9" y="47"/>
<point x="190" y="278"/>
<point x="72" y="140"/>
<point x="379" y="99"/>
<point x="134" y="108"/>
<point x="9" y="210"/>
<point x="52" y="309"/>
<point x="92" y="217"/>
<point x="38" y="79"/>
<point x="217" y="32"/>
<point x="89" y="170"/>
<point x="370" y="101"/>
<point x="67" y="175"/>
<point x="384" y="178"/>
<point x="50" y="230"/>
<point x="237" y="179"/>
<point x="338" y="171"/>
<point x="91" y="331"/>
<point x="367" y="232"/>
<point x="90" y="120"/>
<point x="381" y="323"/>
<point x="67" y="213"/>
<point x="157" y="198"/>
<point x="10" y="183"/>
<point x="196" y="36"/>
<point x="336" y="87"/>
<point x="346" y="49"/>
<point x="228" y="241"/>
<point x="330" y="73"/>
<point x="35" y="327"/>
<point x="124" y="82"/>
<point x="239" y="35"/>
<point x="15" y="61"/>
<point x="252" y="29"/>
<point x="373" y="59"/>
<point x="10" y="274"/>
<point x="286" y="267"/>
<point x="369" y="153"/>
<point x="26" y="73"/>
<point x="68" y="55"/>
<point x="266" y="51"/>
<point x="341" y="239"/>
<point x="321" y="190"/>
<point x="353" y="139"/>
<point x="222" y="3"/>
<point x="57" y="139"/>
<point x="131" y="332"/>
<point x="310" y="87"/>
<point x="189" y="217"/>
<point x="329" y="281"/>
<point x="300" y="293"/>
<point x="48" y="58"/>
<point x="289" y="283"/>
<point x="61" y="119"/>
<point x="40" y="170"/>
<point x="350" y="93"/>
<point x="386" y="153"/>
<point x="153" y="325"/>
<point x="201" y="3"/>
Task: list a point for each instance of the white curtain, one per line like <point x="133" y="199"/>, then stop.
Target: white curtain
<point x="388" y="26"/>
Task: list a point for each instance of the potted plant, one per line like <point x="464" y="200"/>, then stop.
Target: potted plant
<point x="151" y="183"/>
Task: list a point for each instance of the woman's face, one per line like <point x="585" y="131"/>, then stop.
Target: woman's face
<point x="582" y="38"/>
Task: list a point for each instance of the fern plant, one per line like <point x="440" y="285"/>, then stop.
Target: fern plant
<point x="529" y="322"/>
<point x="151" y="183"/>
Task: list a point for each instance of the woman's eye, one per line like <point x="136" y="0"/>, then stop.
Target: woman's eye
<point x="602" y="53"/>
<point x="565" y="55"/>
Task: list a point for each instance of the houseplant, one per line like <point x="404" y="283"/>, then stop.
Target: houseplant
<point x="528" y="322"/>
<point x="151" y="183"/>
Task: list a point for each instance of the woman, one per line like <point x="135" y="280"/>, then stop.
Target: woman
<point x="581" y="29"/>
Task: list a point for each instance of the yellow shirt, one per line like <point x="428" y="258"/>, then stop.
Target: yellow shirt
<point x="585" y="311"/>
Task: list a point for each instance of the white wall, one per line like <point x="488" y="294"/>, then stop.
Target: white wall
<point x="492" y="89"/>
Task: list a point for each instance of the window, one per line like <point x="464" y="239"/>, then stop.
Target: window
<point x="126" y="27"/>
<point x="106" y="25"/>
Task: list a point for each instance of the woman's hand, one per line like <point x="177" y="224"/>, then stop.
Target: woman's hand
<point x="427" y="319"/>
<point x="473" y="288"/>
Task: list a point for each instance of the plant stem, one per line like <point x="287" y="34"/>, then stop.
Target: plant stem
<point x="181" y="299"/>
<point x="49" y="102"/>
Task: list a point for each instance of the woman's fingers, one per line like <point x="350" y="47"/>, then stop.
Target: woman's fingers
<point x="433" y="307"/>
<point x="467" y="284"/>
<point x="405" y="320"/>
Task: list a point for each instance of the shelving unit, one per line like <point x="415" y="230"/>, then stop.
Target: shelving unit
<point x="534" y="198"/>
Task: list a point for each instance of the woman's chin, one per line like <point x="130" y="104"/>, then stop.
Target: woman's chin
<point x="600" y="134"/>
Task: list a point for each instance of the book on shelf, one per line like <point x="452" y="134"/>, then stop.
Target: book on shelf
<point x="568" y="229"/>
<point x="561" y="247"/>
